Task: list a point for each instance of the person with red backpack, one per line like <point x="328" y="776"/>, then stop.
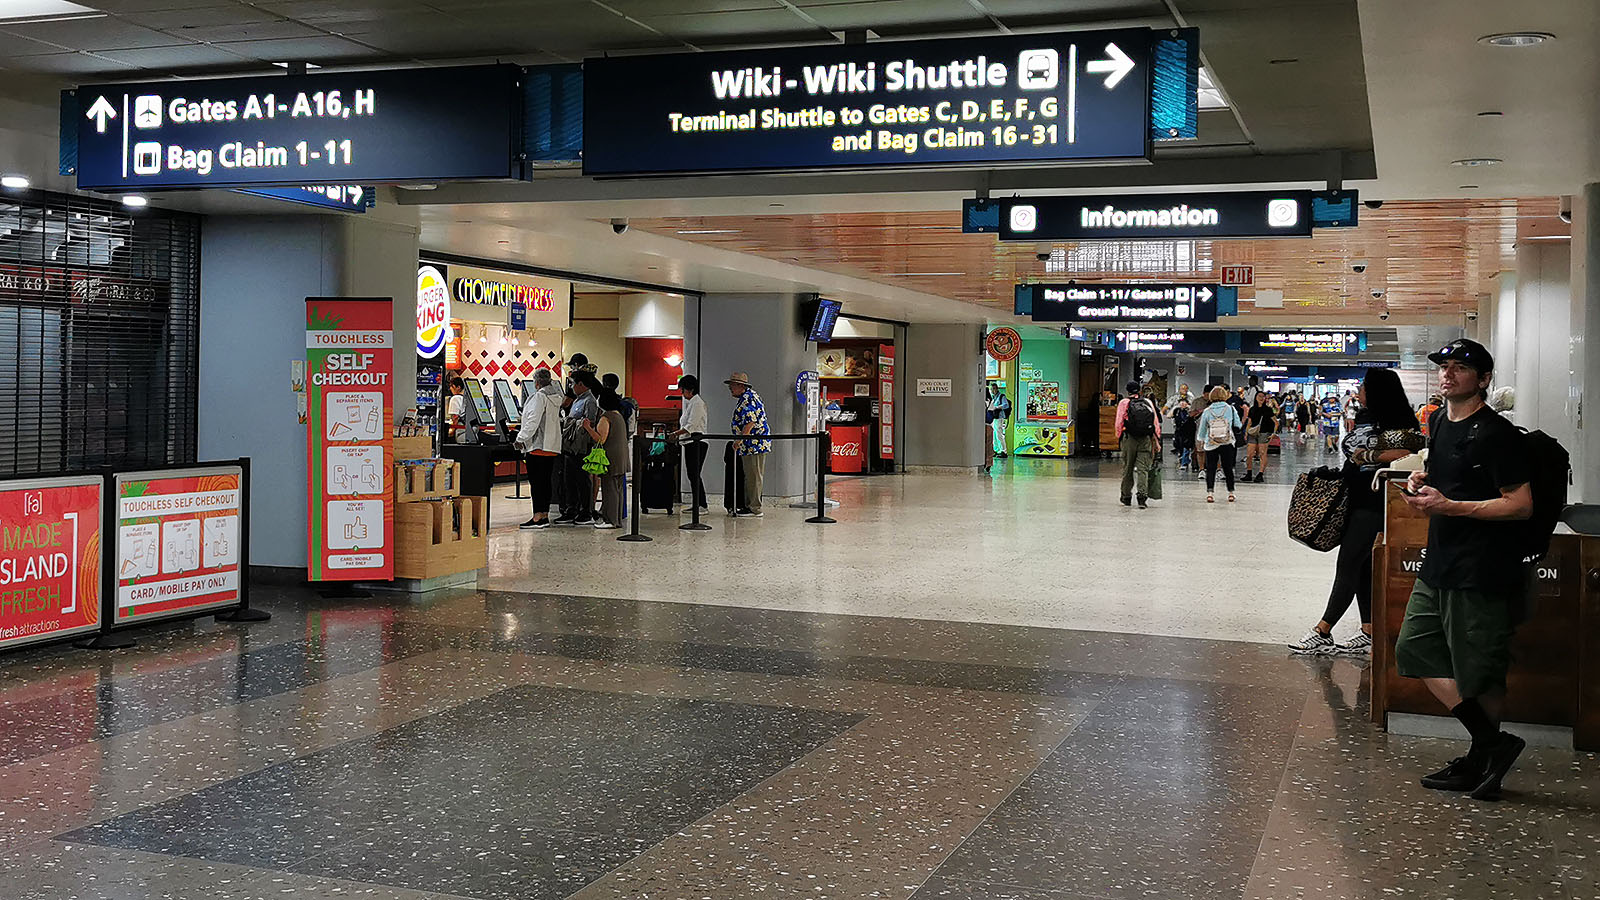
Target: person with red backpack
<point x="1470" y="595"/>
<point x="1139" y="434"/>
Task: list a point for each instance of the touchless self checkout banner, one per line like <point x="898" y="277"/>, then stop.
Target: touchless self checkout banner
<point x="1034" y="98"/>
<point x="178" y="541"/>
<point x="349" y="375"/>
<point x="50" y="564"/>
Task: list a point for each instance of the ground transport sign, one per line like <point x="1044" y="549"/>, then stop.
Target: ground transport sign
<point x="1172" y="341"/>
<point x="178" y="541"/>
<point x="354" y="127"/>
<point x="1302" y="343"/>
<point x="1136" y="302"/>
<point x="349" y="368"/>
<point x="1188" y="215"/>
<point x="1014" y="99"/>
<point x="50" y="567"/>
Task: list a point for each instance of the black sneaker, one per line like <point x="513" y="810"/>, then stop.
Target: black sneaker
<point x="1505" y="752"/>
<point x="534" y="523"/>
<point x="1127" y="501"/>
<point x="587" y="520"/>
<point x="1461" y="774"/>
<point x="1142" y="503"/>
<point x="1261" y="477"/>
<point x="564" y="522"/>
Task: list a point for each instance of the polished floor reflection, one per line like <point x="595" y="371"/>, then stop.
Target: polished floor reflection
<point x="512" y="745"/>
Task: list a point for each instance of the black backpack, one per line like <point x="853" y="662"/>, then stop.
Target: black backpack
<point x="1141" y="419"/>
<point x="1549" y="474"/>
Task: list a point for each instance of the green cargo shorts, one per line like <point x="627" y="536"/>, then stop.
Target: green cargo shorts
<point x="1459" y="634"/>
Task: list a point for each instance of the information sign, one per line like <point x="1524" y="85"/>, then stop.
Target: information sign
<point x="425" y="124"/>
<point x="50" y="566"/>
<point x="1200" y="342"/>
<point x="1301" y="343"/>
<point x="344" y="197"/>
<point x="178" y="541"/>
<point x="350" y="361"/>
<point x="1010" y="99"/>
<point x="1189" y="215"/>
<point x="1136" y="302"/>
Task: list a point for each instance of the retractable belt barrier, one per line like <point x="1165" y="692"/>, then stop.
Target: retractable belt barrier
<point x="824" y="449"/>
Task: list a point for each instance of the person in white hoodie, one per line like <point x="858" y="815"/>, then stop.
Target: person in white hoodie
<point x="539" y="439"/>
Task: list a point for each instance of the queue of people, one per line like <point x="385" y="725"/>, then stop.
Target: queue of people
<point x="577" y="442"/>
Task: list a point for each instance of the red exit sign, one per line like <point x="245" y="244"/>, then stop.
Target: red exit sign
<point x="1239" y="276"/>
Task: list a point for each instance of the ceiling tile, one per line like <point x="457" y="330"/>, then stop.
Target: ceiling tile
<point x="17" y="45"/>
<point x="199" y="16"/>
<point x="648" y="8"/>
<point x="754" y="26"/>
<point x="894" y="16"/>
<point x="250" y="31"/>
<point x="68" y="65"/>
<point x="301" y="49"/>
<point x="185" y="59"/>
<point x="96" y="34"/>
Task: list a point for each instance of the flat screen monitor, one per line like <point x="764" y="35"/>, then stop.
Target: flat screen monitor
<point x="479" y="401"/>
<point x="507" y="398"/>
<point x="822" y="323"/>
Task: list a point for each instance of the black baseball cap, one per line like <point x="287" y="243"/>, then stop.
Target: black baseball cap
<point x="1468" y="353"/>
<point x="1134" y="387"/>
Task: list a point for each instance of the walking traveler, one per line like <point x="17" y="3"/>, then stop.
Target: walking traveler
<point x="691" y="424"/>
<point x="539" y="439"/>
<point x="988" y="429"/>
<point x="610" y="434"/>
<point x="1473" y="587"/>
<point x="1332" y="410"/>
<point x="1183" y="434"/>
<point x="1138" y="430"/>
<point x="1302" y="414"/>
<point x="1386" y="430"/>
<point x="575" y="445"/>
<point x="1195" y="411"/>
<point x="1217" y="426"/>
<point x="1258" y="432"/>
<point x="750" y="419"/>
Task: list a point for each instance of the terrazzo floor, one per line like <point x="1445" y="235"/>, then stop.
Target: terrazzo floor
<point x="505" y="743"/>
<point x="1043" y="542"/>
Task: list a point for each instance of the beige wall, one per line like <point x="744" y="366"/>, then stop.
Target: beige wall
<point x="594" y="333"/>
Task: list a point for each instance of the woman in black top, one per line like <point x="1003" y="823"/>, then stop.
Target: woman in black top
<point x="1259" y="427"/>
<point x="1385" y="430"/>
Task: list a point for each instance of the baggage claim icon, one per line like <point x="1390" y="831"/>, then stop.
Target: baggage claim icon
<point x="433" y="312"/>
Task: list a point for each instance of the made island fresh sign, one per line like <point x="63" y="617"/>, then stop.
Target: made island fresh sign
<point x="50" y="566"/>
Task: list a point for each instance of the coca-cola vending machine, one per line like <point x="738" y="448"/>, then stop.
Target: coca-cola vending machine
<point x="849" y="449"/>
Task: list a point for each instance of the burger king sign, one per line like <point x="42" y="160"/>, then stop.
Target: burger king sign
<point x="433" y="312"/>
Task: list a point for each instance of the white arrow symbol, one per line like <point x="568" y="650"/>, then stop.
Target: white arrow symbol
<point x="1116" y="68"/>
<point x="100" y="112"/>
<point x="1204" y="293"/>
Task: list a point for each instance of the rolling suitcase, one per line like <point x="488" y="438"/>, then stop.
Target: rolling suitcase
<point x="658" y="485"/>
<point x="730" y="479"/>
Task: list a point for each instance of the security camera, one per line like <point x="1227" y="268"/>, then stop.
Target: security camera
<point x="1042" y="255"/>
<point x="1472" y="316"/>
<point x="1383" y="314"/>
<point x="1359" y="266"/>
<point x="1372" y="204"/>
<point x="619" y="225"/>
<point x="1377" y="293"/>
<point x="1565" y="210"/>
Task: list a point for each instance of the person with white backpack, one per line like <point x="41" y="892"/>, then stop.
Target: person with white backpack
<point x="1216" y="430"/>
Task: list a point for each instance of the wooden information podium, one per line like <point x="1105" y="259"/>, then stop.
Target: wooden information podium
<point x="1555" y="655"/>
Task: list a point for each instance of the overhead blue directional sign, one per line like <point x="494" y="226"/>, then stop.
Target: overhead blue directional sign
<point x="1188" y="215"/>
<point x="1013" y="99"/>
<point x="290" y="130"/>
<point x="1172" y="341"/>
<point x="1135" y="302"/>
<point x="1303" y="343"/>
<point x="347" y="197"/>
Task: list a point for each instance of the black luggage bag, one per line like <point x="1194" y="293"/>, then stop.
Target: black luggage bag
<point x="658" y="484"/>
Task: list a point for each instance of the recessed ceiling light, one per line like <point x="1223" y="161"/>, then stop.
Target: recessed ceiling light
<point x="776" y="205"/>
<point x="16" y="182"/>
<point x="1286" y="61"/>
<point x="135" y="201"/>
<point x="1473" y="161"/>
<point x="1517" y="38"/>
<point x="1490" y="114"/>
<point x="1467" y="187"/>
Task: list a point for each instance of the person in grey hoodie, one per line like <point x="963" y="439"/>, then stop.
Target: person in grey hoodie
<point x="539" y="439"/>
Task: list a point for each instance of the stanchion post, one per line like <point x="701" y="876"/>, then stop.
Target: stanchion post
<point x="244" y="613"/>
<point x="824" y="450"/>
<point x="633" y="535"/>
<point x="694" y="523"/>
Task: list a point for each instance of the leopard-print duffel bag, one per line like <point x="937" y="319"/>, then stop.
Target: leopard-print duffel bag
<point x="1318" y="508"/>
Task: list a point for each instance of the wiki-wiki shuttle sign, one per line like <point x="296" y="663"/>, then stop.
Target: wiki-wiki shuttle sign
<point x="361" y="127"/>
<point x="1015" y="99"/>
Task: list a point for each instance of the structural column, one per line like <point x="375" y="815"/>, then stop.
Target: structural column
<point x="1583" y="355"/>
<point x="944" y="431"/>
<point x="1543" y="333"/>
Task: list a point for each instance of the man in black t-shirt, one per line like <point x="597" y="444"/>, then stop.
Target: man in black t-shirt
<point x="1470" y="592"/>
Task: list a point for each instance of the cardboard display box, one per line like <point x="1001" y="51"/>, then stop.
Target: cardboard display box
<point x="413" y="446"/>
<point x="441" y="537"/>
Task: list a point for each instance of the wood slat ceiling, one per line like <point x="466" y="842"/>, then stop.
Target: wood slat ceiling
<point x="1430" y="257"/>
